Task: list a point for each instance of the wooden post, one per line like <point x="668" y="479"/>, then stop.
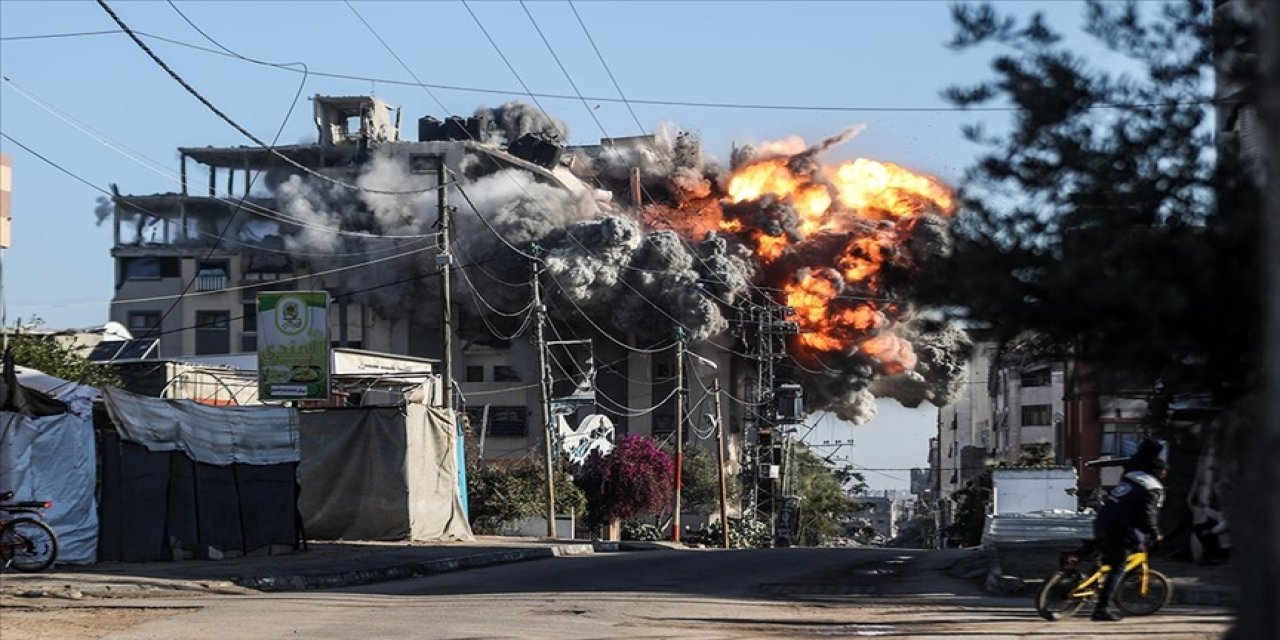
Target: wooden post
<point x="720" y="466"/>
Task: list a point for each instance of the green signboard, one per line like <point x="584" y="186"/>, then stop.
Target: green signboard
<point x="293" y="345"/>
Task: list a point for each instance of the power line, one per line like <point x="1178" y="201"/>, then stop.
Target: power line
<point x="235" y="125"/>
<point x="707" y="104"/>
<point x="591" y="112"/>
<point x="510" y="66"/>
<point x="157" y="167"/>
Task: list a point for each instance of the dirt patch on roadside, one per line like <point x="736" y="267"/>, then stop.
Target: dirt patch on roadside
<point x="21" y="621"/>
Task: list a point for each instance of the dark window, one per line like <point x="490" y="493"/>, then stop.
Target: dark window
<point x="142" y="321"/>
<point x="1121" y="439"/>
<point x="248" y="342"/>
<point x="250" y="318"/>
<point x="213" y="332"/>
<point x="149" y="268"/>
<point x="664" y="370"/>
<point x="475" y="374"/>
<point x="1036" y="415"/>
<point x="422" y="163"/>
<point x="663" y="427"/>
<point x="504" y="422"/>
<point x="503" y="373"/>
<point x="1037" y="377"/>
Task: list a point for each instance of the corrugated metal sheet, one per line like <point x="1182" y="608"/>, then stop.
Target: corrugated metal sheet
<point x="1031" y="527"/>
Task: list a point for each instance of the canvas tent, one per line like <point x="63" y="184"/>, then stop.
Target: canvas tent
<point x="381" y="473"/>
<point x="181" y="479"/>
<point x="47" y="453"/>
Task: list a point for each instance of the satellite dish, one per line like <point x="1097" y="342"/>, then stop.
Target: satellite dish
<point x="113" y="331"/>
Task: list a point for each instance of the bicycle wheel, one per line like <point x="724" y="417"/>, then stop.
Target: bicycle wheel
<point x="1054" y="600"/>
<point x="1130" y="598"/>
<point x="30" y="545"/>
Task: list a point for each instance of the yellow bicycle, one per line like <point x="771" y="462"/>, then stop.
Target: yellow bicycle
<point x="1142" y="592"/>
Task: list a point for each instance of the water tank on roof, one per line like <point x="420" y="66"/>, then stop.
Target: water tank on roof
<point x="480" y="126"/>
<point x="537" y="149"/>
<point x="429" y="128"/>
<point x="454" y="128"/>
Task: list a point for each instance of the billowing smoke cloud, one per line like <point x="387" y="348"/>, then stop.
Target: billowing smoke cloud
<point x="841" y="245"/>
<point x="514" y="119"/>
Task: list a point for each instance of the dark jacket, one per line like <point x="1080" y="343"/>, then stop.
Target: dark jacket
<point x="1133" y="505"/>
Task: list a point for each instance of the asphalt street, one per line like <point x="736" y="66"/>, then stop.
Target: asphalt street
<point x="780" y="593"/>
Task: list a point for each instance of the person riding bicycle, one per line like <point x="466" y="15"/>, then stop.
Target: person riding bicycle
<point x="1131" y="508"/>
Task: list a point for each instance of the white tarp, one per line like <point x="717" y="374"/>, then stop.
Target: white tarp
<point x="258" y="434"/>
<point x="52" y="458"/>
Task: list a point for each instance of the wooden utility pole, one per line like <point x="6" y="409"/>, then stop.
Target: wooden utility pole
<point x="720" y="466"/>
<point x="675" y="522"/>
<point x="544" y="391"/>
<point x="445" y="260"/>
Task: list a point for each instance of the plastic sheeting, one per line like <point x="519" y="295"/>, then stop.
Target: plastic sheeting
<point x="256" y="435"/>
<point x="162" y="505"/>
<point x="380" y="473"/>
<point x="52" y="458"/>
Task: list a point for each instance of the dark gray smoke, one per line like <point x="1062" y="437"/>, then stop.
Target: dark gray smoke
<point x="514" y="119"/>
<point x="610" y="267"/>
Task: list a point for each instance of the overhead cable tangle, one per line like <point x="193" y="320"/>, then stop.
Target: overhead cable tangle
<point x="235" y="125"/>
<point x="157" y="167"/>
<point x="657" y="102"/>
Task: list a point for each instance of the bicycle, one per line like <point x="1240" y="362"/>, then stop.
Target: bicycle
<point x="26" y="542"/>
<point x="1142" y="592"/>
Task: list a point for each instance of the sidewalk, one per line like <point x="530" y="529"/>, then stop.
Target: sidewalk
<point x="327" y="565"/>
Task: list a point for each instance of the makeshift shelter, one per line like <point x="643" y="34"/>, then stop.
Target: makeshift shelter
<point x="182" y="479"/>
<point x="47" y="453"/>
<point x="381" y="473"/>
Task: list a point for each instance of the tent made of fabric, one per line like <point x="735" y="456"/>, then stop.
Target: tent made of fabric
<point x="52" y="458"/>
<point x="182" y="479"/>
<point x="381" y="473"/>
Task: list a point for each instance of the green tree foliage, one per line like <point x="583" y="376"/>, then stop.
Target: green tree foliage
<point x="825" y="505"/>
<point x="700" y="481"/>
<point x="59" y="357"/>
<point x="1109" y="220"/>
<point x="501" y="493"/>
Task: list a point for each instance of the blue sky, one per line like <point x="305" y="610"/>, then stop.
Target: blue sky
<point x="865" y="54"/>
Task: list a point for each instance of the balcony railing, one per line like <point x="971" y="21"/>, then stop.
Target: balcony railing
<point x="211" y="282"/>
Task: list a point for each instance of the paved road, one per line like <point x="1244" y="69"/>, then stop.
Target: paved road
<point x="782" y="593"/>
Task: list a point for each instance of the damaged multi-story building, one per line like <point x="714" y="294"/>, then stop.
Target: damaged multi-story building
<point x="190" y="264"/>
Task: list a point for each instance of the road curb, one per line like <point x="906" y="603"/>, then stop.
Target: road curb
<point x="339" y="579"/>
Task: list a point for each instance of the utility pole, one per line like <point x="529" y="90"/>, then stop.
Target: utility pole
<point x="444" y="259"/>
<point x="720" y="467"/>
<point x="544" y="391"/>
<point x="680" y="393"/>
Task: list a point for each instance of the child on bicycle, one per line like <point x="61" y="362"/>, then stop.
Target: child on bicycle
<point x="1128" y="510"/>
